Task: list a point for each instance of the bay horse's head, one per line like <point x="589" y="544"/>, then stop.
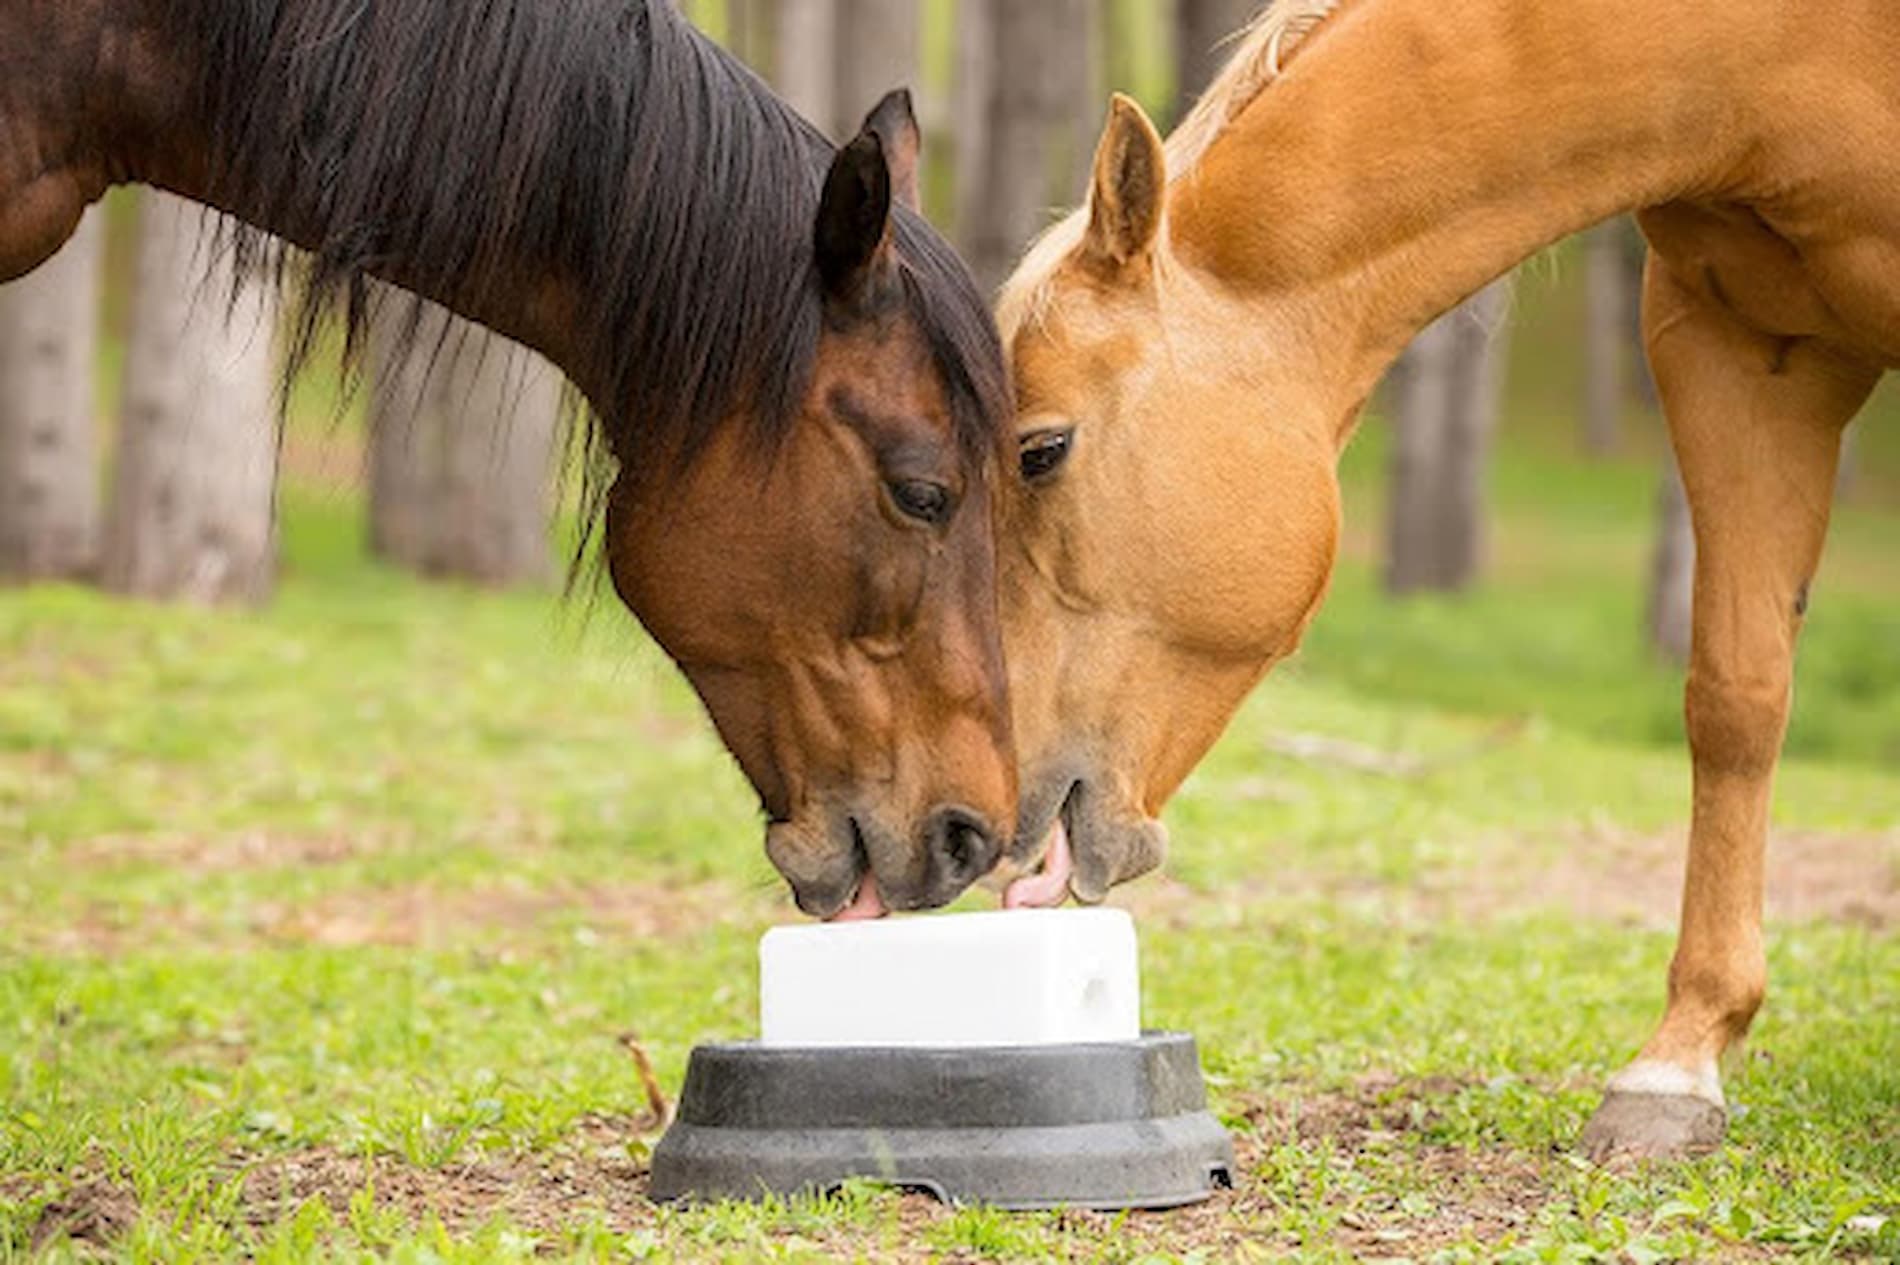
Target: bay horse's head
<point x="830" y="589"/>
<point x="1171" y="527"/>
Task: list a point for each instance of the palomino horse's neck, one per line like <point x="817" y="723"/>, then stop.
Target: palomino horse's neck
<point x="1414" y="150"/>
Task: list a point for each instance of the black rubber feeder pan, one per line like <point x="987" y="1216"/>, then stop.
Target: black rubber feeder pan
<point x="1122" y="1125"/>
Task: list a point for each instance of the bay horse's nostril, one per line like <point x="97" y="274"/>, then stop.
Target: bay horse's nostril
<point x="964" y="845"/>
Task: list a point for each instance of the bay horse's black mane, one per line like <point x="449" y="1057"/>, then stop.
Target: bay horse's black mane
<point x="601" y="140"/>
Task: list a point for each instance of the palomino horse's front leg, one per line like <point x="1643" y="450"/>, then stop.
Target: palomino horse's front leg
<point x="1757" y="423"/>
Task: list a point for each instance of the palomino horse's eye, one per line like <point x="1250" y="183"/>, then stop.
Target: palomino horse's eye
<point x="922" y="500"/>
<point x="1044" y="451"/>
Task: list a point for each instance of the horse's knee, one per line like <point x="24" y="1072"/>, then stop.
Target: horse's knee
<point x="1736" y="723"/>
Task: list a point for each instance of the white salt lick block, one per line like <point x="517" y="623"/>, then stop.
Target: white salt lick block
<point x="1014" y="978"/>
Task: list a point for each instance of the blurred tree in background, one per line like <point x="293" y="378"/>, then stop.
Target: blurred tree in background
<point x="1204" y="32"/>
<point x="194" y="492"/>
<point x="831" y="59"/>
<point x="1445" y="395"/>
<point x="49" y="455"/>
<point x="1672" y="570"/>
<point x="1028" y="71"/>
<point x="462" y="430"/>
<point x="1614" y="370"/>
<point x="799" y="53"/>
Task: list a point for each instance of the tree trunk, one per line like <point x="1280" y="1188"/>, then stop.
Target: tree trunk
<point x="1615" y="366"/>
<point x="461" y="450"/>
<point x="49" y="454"/>
<point x="1850" y="464"/>
<point x="1446" y="398"/>
<point x="1606" y="340"/>
<point x="1642" y="383"/>
<point x="806" y="58"/>
<point x="1672" y="571"/>
<point x="195" y="480"/>
<point x="752" y="33"/>
<point x="1203" y="43"/>
<point x="970" y="115"/>
<point x="1036" y="145"/>
<point x="877" y="50"/>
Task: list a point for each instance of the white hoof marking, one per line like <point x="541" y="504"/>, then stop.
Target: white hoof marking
<point x="1651" y="1076"/>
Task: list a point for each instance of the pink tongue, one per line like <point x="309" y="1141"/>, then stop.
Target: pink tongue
<point x="866" y="905"/>
<point x="1050" y="886"/>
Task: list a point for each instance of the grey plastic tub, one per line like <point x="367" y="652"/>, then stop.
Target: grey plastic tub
<point x="1121" y="1125"/>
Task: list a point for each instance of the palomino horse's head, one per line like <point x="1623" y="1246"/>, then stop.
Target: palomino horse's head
<point x="1171" y="528"/>
<point x="834" y="601"/>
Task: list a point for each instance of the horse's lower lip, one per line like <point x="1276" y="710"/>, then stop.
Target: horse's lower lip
<point x="865" y="906"/>
<point x="867" y="902"/>
<point x="1047" y="887"/>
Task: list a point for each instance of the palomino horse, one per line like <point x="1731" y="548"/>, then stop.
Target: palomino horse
<point x="1192" y="350"/>
<point x="797" y="382"/>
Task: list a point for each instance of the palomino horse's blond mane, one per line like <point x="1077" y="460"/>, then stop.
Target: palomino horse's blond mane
<point x="1262" y="49"/>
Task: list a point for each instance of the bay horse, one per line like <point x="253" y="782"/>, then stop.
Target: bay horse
<point x="1193" y="348"/>
<point x="796" y="384"/>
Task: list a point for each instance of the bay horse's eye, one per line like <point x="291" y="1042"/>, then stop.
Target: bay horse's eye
<point x="1044" y="451"/>
<point x="922" y="500"/>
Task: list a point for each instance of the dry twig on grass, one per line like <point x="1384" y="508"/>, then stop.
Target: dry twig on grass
<point x="659" y="1113"/>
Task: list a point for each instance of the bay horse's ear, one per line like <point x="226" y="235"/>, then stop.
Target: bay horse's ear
<point x="895" y="123"/>
<point x="1131" y="184"/>
<point x="854" y="219"/>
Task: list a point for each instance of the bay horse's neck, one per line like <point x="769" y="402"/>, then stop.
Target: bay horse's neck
<point x="165" y="130"/>
<point x="1414" y="150"/>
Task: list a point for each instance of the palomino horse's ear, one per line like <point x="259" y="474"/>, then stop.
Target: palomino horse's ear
<point x="1131" y="183"/>
<point x="895" y="123"/>
<point x="854" y="219"/>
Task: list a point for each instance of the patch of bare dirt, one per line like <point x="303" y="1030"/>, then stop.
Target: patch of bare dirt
<point x="1357" y="1171"/>
<point x="93" y="1211"/>
<point x="1637" y="879"/>
<point x="594" y="1175"/>
<point x="417" y="915"/>
<point x="1596" y="875"/>
<point x="35" y="764"/>
<point x="42" y="658"/>
<point x="591" y="1178"/>
<point x="1481" y="1194"/>
<point x="223" y="854"/>
<point x="422" y="916"/>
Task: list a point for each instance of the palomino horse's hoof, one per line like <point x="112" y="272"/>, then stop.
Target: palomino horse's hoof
<point x="1653" y="1126"/>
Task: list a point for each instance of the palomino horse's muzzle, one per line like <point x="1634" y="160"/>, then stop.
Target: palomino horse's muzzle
<point x="1074" y="841"/>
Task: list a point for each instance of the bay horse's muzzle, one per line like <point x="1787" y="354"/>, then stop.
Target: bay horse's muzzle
<point x="867" y="871"/>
